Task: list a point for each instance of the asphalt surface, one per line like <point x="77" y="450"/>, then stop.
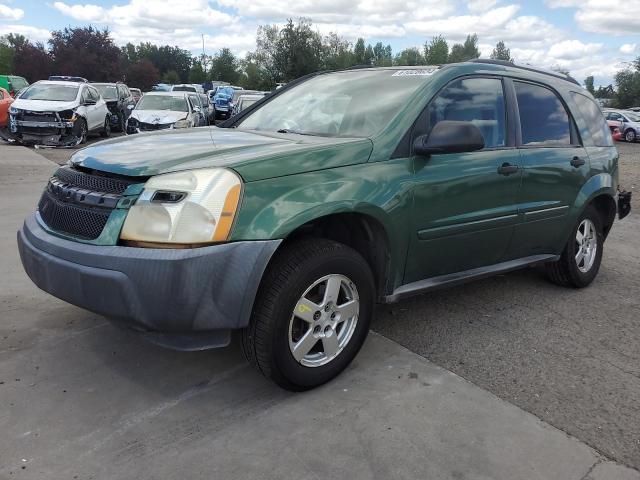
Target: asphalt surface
<point x="570" y="357"/>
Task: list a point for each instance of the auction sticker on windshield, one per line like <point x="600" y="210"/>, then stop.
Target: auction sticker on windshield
<point x="409" y="73"/>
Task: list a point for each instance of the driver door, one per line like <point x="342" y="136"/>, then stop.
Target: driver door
<point x="465" y="204"/>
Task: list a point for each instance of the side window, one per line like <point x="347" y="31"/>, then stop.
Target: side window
<point x="592" y="115"/>
<point x="543" y="119"/>
<point x="476" y="100"/>
<point x="93" y="94"/>
<point x="84" y="96"/>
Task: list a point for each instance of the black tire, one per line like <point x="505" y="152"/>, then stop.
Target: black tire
<point x="122" y="122"/>
<point x="106" y="129"/>
<point x="80" y="130"/>
<point x="565" y="271"/>
<point x="630" y="135"/>
<point x="294" y="268"/>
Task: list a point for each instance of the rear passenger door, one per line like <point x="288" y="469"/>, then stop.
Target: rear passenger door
<point x="555" y="165"/>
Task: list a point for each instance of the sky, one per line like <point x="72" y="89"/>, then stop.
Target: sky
<point x="586" y="37"/>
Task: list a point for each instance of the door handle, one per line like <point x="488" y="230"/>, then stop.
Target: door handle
<point x="577" y="162"/>
<point x="507" y="169"/>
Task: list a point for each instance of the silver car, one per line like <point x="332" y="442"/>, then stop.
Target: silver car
<point x="626" y="121"/>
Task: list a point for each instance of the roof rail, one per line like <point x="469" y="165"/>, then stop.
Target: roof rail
<point x="529" y="68"/>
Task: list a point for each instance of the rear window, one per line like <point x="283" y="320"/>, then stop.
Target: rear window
<point x="543" y="119"/>
<point x="596" y="124"/>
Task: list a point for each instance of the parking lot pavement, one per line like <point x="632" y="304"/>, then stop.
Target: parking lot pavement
<point x="83" y="399"/>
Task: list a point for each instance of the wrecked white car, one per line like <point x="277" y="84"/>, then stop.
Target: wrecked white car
<point x="58" y="113"/>
<point x="161" y="111"/>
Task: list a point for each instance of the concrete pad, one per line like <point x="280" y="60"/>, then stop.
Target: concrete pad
<point x="612" y="471"/>
<point x="82" y="399"/>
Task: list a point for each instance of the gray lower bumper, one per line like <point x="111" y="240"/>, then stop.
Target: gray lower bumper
<point x="181" y="291"/>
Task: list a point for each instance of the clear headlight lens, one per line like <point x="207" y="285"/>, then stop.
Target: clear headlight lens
<point x="184" y="123"/>
<point x="193" y="207"/>
<point x="13" y="110"/>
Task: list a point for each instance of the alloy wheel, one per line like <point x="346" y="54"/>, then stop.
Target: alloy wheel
<point x="586" y="245"/>
<point x="323" y="320"/>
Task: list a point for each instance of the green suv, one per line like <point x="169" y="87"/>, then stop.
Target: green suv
<point x="338" y="191"/>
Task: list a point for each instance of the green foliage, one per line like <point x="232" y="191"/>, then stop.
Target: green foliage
<point x="7" y="53"/>
<point x="628" y="88"/>
<point x="165" y="58"/>
<point x="501" y="52"/>
<point x="225" y="67"/>
<point x="465" y="51"/>
<point x="196" y="74"/>
<point x="588" y="84"/>
<point x="410" y="56"/>
<point x="437" y="51"/>
<point x="171" y="77"/>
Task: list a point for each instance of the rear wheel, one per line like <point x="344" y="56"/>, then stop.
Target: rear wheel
<point x="311" y="315"/>
<point x="581" y="257"/>
<point x="122" y="123"/>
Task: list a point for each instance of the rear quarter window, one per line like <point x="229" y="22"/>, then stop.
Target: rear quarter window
<point x="599" y="134"/>
<point x="544" y="121"/>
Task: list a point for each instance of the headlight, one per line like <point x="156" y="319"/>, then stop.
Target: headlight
<point x="184" y="123"/>
<point x="13" y="110"/>
<point x="193" y="207"/>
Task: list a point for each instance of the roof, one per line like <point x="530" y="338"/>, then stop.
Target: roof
<point x="61" y="82"/>
<point x="168" y="94"/>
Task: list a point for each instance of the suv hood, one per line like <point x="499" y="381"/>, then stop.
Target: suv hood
<point x="254" y="155"/>
<point x="158" y="116"/>
<point x="44" y="105"/>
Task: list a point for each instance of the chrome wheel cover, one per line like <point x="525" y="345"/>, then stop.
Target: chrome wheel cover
<point x="323" y="320"/>
<point x="586" y="245"/>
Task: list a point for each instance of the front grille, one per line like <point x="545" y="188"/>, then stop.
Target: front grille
<point x="65" y="217"/>
<point x="152" y="127"/>
<point x="79" y="203"/>
<point x="28" y="116"/>
<point x="93" y="182"/>
<point x="38" y="130"/>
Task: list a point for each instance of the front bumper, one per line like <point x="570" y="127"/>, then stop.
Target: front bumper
<point x="167" y="292"/>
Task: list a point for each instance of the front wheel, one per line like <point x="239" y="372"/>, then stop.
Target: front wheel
<point x="80" y="130"/>
<point x="106" y="129"/>
<point x="311" y="315"/>
<point x="630" y="136"/>
<point x="580" y="260"/>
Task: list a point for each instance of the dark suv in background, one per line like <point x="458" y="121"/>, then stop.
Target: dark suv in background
<point x="120" y="102"/>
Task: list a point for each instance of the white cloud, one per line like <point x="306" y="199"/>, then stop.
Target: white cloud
<point x="83" y="13"/>
<point x="603" y="17"/>
<point x="628" y="48"/>
<point x="573" y="49"/>
<point x="478" y="6"/>
<point x="563" y="3"/>
<point x="32" y="33"/>
<point x="11" y="14"/>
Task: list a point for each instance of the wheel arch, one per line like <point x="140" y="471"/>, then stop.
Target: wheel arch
<point x="361" y="231"/>
<point x="600" y="192"/>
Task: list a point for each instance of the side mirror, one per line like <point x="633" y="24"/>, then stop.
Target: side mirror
<point x="449" y="136"/>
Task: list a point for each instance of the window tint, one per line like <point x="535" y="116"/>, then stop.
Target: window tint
<point x="93" y="94"/>
<point x="543" y="118"/>
<point x="592" y="115"/>
<point x="476" y="100"/>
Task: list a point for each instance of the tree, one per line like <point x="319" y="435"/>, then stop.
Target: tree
<point x="382" y="56"/>
<point x="171" y="77"/>
<point x="166" y="58"/>
<point x="31" y="61"/>
<point x="86" y="52"/>
<point x="627" y="88"/>
<point x="225" y="67"/>
<point x="466" y="51"/>
<point x="142" y="74"/>
<point x="266" y="56"/>
<point x="196" y="74"/>
<point x="359" y="51"/>
<point x="588" y="84"/>
<point x="336" y="52"/>
<point x="7" y="53"/>
<point x="437" y="51"/>
<point x="605" y="92"/>
<point x="501" y="52"/>
<point x="410" y="56"/>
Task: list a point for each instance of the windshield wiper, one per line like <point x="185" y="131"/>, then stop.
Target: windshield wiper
<point x="288" y="130"/>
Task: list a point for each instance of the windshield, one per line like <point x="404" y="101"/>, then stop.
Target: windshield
<point x="107" y="91"/>
<point x="53" y="93"/>
<point x="159" y="102"/>
<point x="184" y="89"/>
<point x="634" y="117"/>
<point x="346" y="104"/>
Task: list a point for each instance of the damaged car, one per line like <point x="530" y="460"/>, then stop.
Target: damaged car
<point x="119" y="101"/>
<point x="162" y="111"/>
<point x="58" y="113"/>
